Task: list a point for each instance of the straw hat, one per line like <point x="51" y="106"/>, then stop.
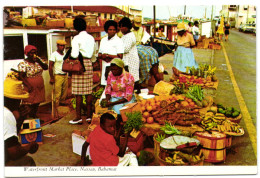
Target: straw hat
<point x="61" y="42"/>
<point x="181" y="26"/>
<point x="13" y="88"/>
<point x="138" y="21"/>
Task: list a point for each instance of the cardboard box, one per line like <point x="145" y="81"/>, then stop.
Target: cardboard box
<point x="77" y="142"/>
<point x="29" y="22"/>
<point x="55" y="23"/>
<point x="129" y="108"/>
<point x="31" y="124"/>
<point x="30" y="135"/>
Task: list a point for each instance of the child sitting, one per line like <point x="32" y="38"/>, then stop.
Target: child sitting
<point x="103" y="147"/>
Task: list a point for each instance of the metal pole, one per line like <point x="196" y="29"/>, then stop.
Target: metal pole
<point x="184" y="9"/>
<point x="154" y="25"/>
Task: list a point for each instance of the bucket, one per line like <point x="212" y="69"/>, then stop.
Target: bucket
<point x="214" y="145"/>
<point x="214" y="156"/>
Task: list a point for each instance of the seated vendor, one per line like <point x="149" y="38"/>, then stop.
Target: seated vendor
<point x="120" y="86"/>
<point x="103" y="147"/>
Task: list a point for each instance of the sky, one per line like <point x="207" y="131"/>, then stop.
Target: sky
<point x="164" y="12"/>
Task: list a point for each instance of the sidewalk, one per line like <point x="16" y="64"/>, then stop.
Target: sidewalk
<point x="57" y="151"/>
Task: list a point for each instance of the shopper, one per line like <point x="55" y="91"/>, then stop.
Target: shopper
<point x="227" y="28"/>
<point x="183" y="57"/>
<point x="190" y="26"/>
<point x="103" y="147"/>
<point x="130" y="56"/>
<point x="58" y="78"/>
<point x="14" y="115"/>
<point x="196" y="32"/>
<point x="111" y="47"/>
<point x="120" y="86"/>
<point x="142" y="37"/>
<point x="82" y="84"/>
<point x="31" y="73"/>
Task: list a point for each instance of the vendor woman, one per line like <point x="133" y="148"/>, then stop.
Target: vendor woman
<point x="120" y="86"/>
<point x="183" y="57"/>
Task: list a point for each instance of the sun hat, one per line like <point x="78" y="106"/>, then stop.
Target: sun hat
<point x="138" y="21"/>
<point x="61" y="42"/>
<point x="181" y="26"/>
<point x="119" y="62"/>
<point x="13" y="88"/>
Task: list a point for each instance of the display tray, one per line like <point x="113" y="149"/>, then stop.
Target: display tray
<point x="175" y="141"/>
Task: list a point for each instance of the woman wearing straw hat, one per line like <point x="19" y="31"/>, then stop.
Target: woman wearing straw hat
<point x="31" y="72"/>
<point x="14" y="115"/>
<point x="120" y="86"/>
<point x="183" y="57"/>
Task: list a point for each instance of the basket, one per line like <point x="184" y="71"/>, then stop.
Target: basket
<point x="236" y="119"/>
<point x="214" y="156"/>
<point x="198" y="163"/>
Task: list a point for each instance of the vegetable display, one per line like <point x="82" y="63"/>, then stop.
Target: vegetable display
<point x="134" y="121"/>
<point x="169" y="129"/>
<point x="196" y="94"/>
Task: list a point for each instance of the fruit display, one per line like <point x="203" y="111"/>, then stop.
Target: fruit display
<point x="203" y="76"/>
<point x="218" y="122"/>
<point x="175" y="109"/>
<point x="229" y="111"/>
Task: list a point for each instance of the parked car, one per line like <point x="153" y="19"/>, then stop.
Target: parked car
<point x="247" y="28"/>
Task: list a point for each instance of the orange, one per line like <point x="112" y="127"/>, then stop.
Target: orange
<point x="143" y="108"/>
<point x="149" y="108"/>
<point x="146" y="114"/>
<point x="144" y="120"/>
<point x="150" y="120"/>
<point x="143" y="102"/>
<point x="154" y="107"/>
<point x="184" y="103"/>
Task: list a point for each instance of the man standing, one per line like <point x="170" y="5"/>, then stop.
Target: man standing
<point x="14" y="115"/>
<point x="140" y="33"/>
<point x="57" y="76"/>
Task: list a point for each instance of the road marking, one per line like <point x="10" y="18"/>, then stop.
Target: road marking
<point x="246" y="116"/>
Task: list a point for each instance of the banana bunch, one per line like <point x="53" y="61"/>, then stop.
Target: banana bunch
<point x="228" y="126"/>
<point x="211" y="121"/>
<point x="175" y="159"/>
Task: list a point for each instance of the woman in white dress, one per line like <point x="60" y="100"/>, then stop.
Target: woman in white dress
<point x="111" y="47"/>
<point x="130" y="56"/>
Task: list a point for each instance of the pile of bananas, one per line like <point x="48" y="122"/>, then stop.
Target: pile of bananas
<point x="176" y="159"/>
<point x="219" y="123"/>
<point x="179" y="158"/>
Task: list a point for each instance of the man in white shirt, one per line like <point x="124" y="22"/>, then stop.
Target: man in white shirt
<point x="196" y="31"/>
<point x="57" y="76"/>
<point x="14" y="115"/>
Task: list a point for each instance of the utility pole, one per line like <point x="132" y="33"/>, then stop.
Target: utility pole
<point x="184" y="9"/>
<point x="247" y="14"/>
<point x="154" y="17"/>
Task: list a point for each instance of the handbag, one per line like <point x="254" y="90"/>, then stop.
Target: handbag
<point x="72" y="65"/>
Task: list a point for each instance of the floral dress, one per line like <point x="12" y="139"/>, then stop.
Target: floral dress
<point x="120" y="87"/>
<point x="130" y="56"/>
<point x="34" y="77"/>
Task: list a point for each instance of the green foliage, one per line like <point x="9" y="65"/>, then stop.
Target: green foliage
<point x="145" y="158"/>
<point x="134" y="121"/>
<point x="169" y="129"/>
